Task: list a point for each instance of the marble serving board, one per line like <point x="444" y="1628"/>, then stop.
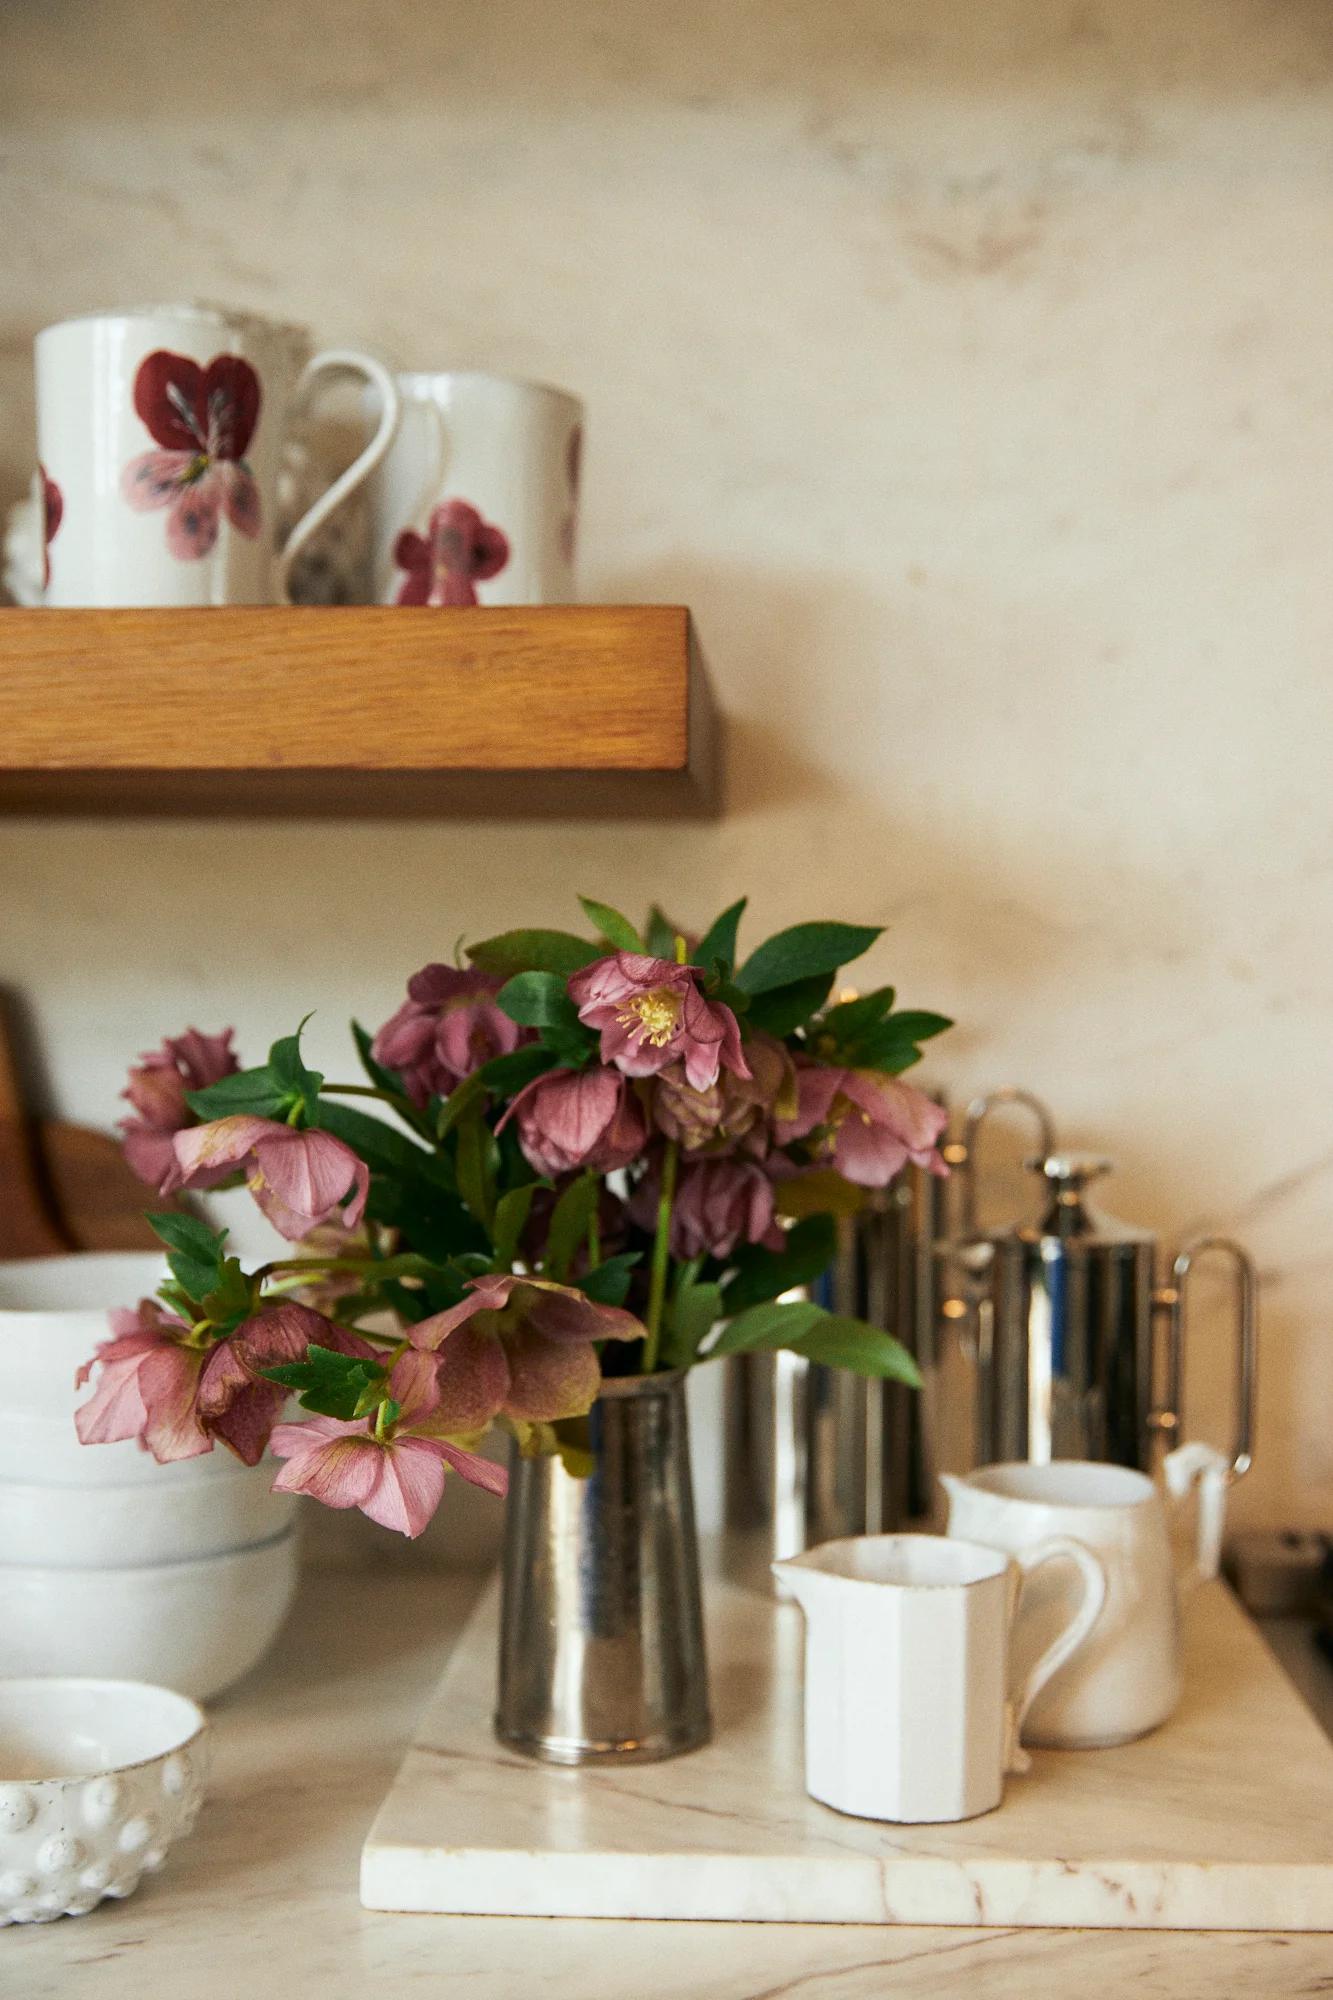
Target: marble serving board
<point x="1222" y="1820"/>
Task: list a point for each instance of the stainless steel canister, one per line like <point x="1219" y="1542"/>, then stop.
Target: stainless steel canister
<point x="1078" y="1346"/>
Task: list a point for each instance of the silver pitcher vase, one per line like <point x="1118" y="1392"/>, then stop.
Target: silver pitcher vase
<point x="601" y="1633"/>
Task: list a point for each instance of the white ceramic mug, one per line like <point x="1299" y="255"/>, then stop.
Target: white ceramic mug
<point x="160" y="434"/>
<point x="910" y="1713"/>
<point x="1126" y="1680"/>
<point x="477" y="502"/>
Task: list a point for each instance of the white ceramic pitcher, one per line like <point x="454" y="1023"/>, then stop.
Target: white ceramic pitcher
<point x="912" y="1709"/>
<point x="1126" y="1680"/>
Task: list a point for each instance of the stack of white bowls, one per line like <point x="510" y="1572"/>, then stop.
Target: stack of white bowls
<point x="110" y="1564"/>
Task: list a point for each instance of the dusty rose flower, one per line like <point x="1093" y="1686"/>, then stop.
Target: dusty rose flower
<point x="204" y="419"/>
<point x="156" y="1091"/>
<point x="448" y="1026"/>
<point x="177" y="1399"/>
<point x="299" y="1178"/>
<point x="398" y="1478"/>
<point x="652" y="1013"/>
<point x="458" y="551"/>
<point x="736" y="1110"/>
<point x="520" y="1347"/>
<point x="719" y="1203"/>
<point x="574" y="1119"/>
<point x="866" y="1125"/>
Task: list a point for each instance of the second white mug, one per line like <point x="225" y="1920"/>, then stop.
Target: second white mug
<point x="477" y="502"/>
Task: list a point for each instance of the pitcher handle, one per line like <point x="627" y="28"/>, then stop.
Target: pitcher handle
<point x="1172" y="1299"/>
<point x="973" y="1119"/>
<point x="1065" y="1644"/>
<point x="1198" y="1468"/>
<point x="362" y="465"/>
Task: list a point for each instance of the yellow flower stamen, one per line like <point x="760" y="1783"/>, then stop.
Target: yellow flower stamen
<point x="656" y="1015"/>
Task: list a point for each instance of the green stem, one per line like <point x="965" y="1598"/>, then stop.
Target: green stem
<point x="594" y="1242"/>
<point x="661" y="1258"/>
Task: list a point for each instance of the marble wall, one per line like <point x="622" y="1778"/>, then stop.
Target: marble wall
<point x="964" y="367"/>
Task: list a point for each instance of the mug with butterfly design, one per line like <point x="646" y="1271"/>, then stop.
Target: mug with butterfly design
<point x="160" y="436"/>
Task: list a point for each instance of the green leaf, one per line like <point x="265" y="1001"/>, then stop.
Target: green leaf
<point x="719" y="940"/>
<point x="333" y="1385"/>
<point x="608" y="1282"/>
<point x="533" y="951"/>
<point x="767" y="1326"/>
<point x="476" y="1168"/>
<point x="617" y="930"/>
<point x="505" y="1076"/>
<point x="538" y="1000"/>
<point x="569" y="1225"/>
<point x="918" y="1027"/>
<point x="195" y="1254"/>
<point x="691" y="1317"/>
<point x="802" y="952"/>
<point x="761" y="1274"/>
<point x="459" y="1103"/>
<point x="290" y="1073"/>
<point x="255" y="1092"/>
<point x="864" y="1349"/>
<point x="660" y="933"/>
<point x="572" y="1047"/>
<point x="784" y="1008"/>
<point x="511" y="1215"/>
<point x="851" y="1018"/>
<point x="819" y="1192"/>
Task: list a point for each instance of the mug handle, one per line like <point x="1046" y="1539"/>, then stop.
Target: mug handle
<point x="1198" y="1468"/>
<point x="1065" y="1644"/>
<point x="361" y="467"/>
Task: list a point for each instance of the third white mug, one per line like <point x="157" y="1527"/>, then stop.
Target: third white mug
<point x="477" y="502"/>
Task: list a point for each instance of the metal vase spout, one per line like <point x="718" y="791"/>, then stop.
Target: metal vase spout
<point x="601" y="1635"/>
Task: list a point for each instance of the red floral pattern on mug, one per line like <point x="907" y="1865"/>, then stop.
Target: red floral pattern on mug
<point x="53" y="512"/>
<point x="204" y="419"/>
<point x="458" y="551"/>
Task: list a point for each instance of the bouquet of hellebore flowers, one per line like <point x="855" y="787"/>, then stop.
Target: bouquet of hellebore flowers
<point x="610" y="1156"/>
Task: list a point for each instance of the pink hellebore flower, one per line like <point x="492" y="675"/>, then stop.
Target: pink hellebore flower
<point x="156" y="1091"/>
<point x="719" y="1203"/>
<point x="177" y="1399"/>
<point x="574" y="1119"/>
<point x="734" y="1111"/>
<point x="448" y="1026"/>
<point x="299" y="1178"/>
<point x="653" y="1012"/>
<point x="869" y="1125"/>
<point x="520" y="1347"/>
<point x="397" y="1478"/>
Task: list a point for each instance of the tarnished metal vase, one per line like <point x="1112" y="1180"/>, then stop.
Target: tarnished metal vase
<point x="601" y="1635"/>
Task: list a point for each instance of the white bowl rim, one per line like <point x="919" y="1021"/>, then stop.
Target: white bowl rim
<point x="39" y="1684"/>
<point x="129" y="1571"/>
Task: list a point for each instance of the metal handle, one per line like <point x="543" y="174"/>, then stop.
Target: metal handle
<point x="963" y="1155"/>
<point x="1171" y="1299"/>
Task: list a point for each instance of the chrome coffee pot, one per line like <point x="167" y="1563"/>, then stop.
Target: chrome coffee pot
<point x="1078" y="1348"/>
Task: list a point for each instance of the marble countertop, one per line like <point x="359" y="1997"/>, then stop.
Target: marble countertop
<point x="263" y="1898"/>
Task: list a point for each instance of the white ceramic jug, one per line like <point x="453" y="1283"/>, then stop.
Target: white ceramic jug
<point x="911" y="1712"/>
<point x="1126" y="1680"/>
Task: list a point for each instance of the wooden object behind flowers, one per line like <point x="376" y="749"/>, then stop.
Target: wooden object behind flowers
<point x="569" y="709"/>
<point x="63" y="1187"/>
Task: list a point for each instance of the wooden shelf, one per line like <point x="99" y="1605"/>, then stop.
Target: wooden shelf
<point x="370" y="711"/>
